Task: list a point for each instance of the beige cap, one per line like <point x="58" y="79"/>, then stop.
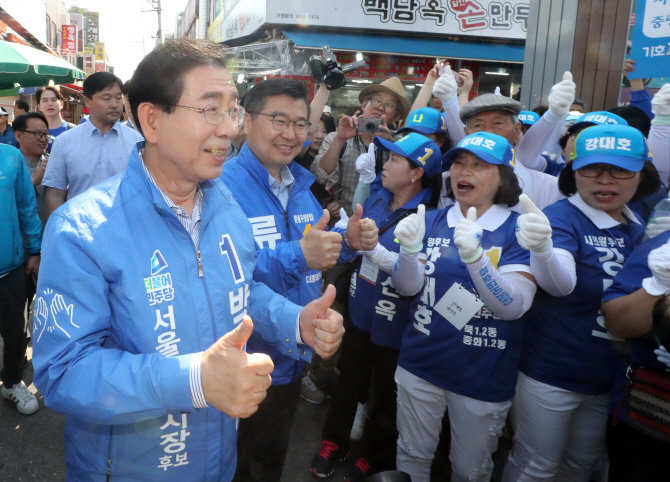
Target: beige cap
<point x="391" y="86"/>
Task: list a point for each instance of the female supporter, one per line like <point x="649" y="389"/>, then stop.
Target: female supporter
<point x="568" y="358"/>
<point x="377" y="314"/>
<point x="461" y="351"/>
<point x="637" y="307"/>
<point x="325" y="126"/>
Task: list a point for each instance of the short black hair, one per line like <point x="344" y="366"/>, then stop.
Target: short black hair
<point x="540" y="110"/>
<point x="53" y="89"/>
<point x="254" y="101"/>
<point x="435" y="183"/>
<point x="21" y="122"/>
<point x="94" y="83"/>
<point x="508" y="192"/>
<point x="159" y="78"/>
<point x="635" y="118"/>
<point x="580" y="103"/>
<point x="22" y="105"/>
<point x="650" y="181"/>
<point x="125" y="88"/>
<point x="329" y="122"/>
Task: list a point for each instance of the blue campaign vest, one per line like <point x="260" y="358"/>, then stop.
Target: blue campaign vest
<point x="566" y="344"/>
<point x="481" y="360"/>
<point x="377" y="308"/>
<point x="280" y="265"/>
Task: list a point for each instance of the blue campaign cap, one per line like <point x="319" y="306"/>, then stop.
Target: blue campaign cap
<point x="425" y="121"/>
<point x="621" y="146"/>
<point x="597" y="118"/>
<point x="528" y="118"/>
<point x="490" y="148"/>
<point x="419" y="149"/>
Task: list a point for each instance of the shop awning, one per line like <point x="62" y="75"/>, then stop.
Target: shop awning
<point x="433" y="47"/>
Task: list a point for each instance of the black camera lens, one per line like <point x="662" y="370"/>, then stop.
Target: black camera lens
<point x="370" y="126"/>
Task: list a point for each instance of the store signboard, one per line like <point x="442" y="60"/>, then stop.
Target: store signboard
<point x="651" y="39"/>
<point x="99" y="66"/>
<point x="69" y="42"/>
<point x="100" y="51"/>
<point x="92" y="27"/>
<point x="243" y="18"/>
<point x="481" y="18"/>
<point x="89" y="63"/>
<point x="78" y="21"/>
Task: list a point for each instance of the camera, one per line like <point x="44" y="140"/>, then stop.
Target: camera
<point x="368" y="124"/>
<point x="325" y="69"/>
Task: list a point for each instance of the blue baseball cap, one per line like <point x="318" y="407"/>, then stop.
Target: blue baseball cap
<point x="490" y="148"/>
<point x="425" y="121"/>
<point x="417" y="148"/>
<point x="528" y="118"/>
<point x="600" y="117"/>
<point x="621" y="146"/>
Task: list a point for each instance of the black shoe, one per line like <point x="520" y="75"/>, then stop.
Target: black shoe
<point x="359" y="471"/>
<point x="323" y="463"/>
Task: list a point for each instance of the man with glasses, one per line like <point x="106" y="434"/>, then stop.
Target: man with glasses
<point x="6" y="131"/>
<point x="293" y="248"/>
<point x="82" y="158"/>
<point x="32" y="132"/>
<point x="50" y="103"/>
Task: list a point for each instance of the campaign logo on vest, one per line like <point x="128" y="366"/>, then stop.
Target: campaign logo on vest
<point x="159" y="286"/>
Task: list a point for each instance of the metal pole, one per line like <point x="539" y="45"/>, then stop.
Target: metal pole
<point x="159" y="40"/>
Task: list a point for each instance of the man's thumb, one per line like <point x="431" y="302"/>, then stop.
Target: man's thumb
<point x="472" y="214"/>
<point x="567" y="76"/>
<point x="239" y="336"/>
<point x="357" y="213"/>
<point x="323" y="222"/>
<point x="326" y="300"/>
<point x="528" y="205"/>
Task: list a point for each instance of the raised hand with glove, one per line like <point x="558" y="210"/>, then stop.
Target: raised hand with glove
<point x="562" y="95"/>
<point x="409" y="273"/>
<point x="533" y="231"/>
<point x="446" y="88"/>
<point x="411" y="230"/>
<point x="468" y="237"/>
<point x="365" y="165"/>
<point x="659" y="264"/>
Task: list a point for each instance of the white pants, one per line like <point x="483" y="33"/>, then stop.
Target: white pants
<point x="559" y="435"/>
<point x="475" y="428"/>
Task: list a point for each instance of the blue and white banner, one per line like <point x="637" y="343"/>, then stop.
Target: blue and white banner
<point x="651" y="39"/>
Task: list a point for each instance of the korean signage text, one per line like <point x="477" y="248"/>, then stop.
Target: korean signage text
<point x="69" y="39"/>
<point x="651" y="39"/>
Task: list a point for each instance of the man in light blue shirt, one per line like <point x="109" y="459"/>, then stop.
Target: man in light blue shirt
<point x="98" y="150"/>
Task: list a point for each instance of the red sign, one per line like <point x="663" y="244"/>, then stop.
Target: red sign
<point x="69" y="44"/>
<point x="100" y="66"/>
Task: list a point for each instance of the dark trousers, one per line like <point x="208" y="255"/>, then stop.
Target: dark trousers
<point x="262" y="439"/>
<point x="13" y="325"/>
<point x="364" y="365"/>
<point x="635" y="456"/>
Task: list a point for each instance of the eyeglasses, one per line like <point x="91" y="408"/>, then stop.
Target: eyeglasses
<point x="281" y="123"/>
<point x="595" y="170"/>
<point x="388" y="108"/>
<point x="39" y="135"/>
<point x="215" y="113"/>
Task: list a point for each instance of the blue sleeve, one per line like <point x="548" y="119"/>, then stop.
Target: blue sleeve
<point x="563" y="234"/>
<point x="55" y="174"/>
<point x="26" y="204"/>
<point x="282" y="267"/>
<point x="642" y="100"/>
<point x="514" y="253"/>
<point x="553" y="168"/>
<point x="73" y="371"/>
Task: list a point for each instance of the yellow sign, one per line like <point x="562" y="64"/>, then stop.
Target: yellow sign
<point x="100" y="51"/>
<point x="215" y="30"/>
<point x="89" y="49"/>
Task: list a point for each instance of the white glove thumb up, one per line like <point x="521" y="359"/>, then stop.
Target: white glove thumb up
<point x="533" y="231"/>
<point x="659" y="264"/>
<point x="411" y="230"/>
<point x="365" y="165"/>
<point x="468" y="237"/>
<point x="660" y="104"/>
<point x="445" y="88"/>
<point x="562" y="95"/>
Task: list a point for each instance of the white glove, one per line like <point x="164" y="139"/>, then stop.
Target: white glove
<point x="365" y="165"/>
<point x="445" y="88"/>
<point x="660" y="104"/>
<point x="657" y="226"/>
<point x="549" y="155"/>
<point x="497" y="91"/>
<point x="562" y="95"/>
<point x="659" y="264"/>
<point x="344" y="220"/>
<point x="533" y="231"/>
<point x="468" y="237"/>
<point x="662" y="355"/>
<point x="411" y="230"/>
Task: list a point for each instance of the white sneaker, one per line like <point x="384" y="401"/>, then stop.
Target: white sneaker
<point x="359" y="422"/>
<point x="26" y="403"/>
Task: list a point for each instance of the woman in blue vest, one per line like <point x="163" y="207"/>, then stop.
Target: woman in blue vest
<point x="377" y="314"/>
<point x="460" y="351"/>
<point x="569" y="359"/>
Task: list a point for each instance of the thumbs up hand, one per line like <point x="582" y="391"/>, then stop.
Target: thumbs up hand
<point x="320" y="327"/>
<point x="468" y="237"/>
<point x="365" y="165"/>
<point x="320" y="248"/>
<point x="562" y="95"/>
<point x="533" y="231"/>
<point x="233" y="381"/>
<point x="361" y="234"/>
<point x="411" y="230"/>
<point x="445" y="88"/>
